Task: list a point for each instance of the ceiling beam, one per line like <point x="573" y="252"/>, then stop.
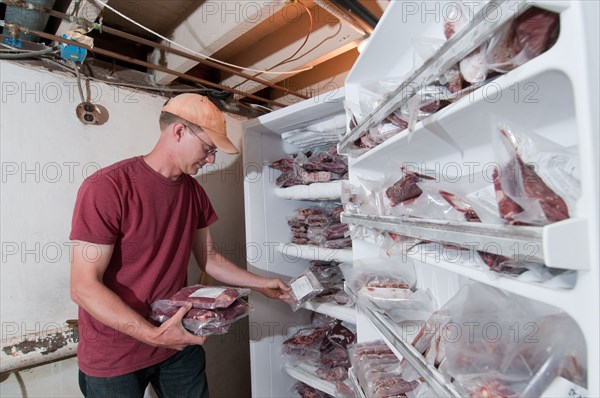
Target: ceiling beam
<point x="211" y="27"/>
<point x="329" y="38"/>
<point x="327" y="77"/>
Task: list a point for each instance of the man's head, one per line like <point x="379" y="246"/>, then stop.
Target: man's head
<point x="198" y="111"/>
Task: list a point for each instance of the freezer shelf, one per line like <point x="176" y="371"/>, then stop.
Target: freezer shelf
<point x="312" y="252"/>
<point x="461" y="44"/>
<point x="306" y="373"/>
<point x="530" y="243"/>
<point x="346" y="314"/>
<point x="317" y="191"/>
<point x="388" y="330"/>
<point x="354" y="381"/>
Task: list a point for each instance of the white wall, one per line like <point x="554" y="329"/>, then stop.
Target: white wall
<point x="46" y="152"/>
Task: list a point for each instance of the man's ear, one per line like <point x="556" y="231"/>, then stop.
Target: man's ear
<point x="177" y="130"/>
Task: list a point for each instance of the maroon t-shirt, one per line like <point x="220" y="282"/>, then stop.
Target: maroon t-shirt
<point x="151" y="221"/>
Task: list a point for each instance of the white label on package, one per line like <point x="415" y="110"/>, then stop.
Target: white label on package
<point x="301" y="287"/>
<point x="208" y="292"/>
<point x="562" y="387"/>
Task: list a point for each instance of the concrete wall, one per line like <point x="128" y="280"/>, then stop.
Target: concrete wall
<point x="45" y="154"/>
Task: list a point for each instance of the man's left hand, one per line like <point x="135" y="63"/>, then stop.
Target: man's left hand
<point x="275" y="289"/>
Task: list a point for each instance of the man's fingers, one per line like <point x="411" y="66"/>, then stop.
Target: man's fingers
<point x="181" y="313"/>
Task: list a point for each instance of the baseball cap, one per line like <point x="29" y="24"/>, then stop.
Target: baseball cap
<point x="198" y="109"/>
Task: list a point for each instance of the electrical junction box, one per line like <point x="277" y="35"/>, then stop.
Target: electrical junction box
<point x="72" y="52"/>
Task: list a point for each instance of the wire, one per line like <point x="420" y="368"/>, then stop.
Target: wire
<point x="195" y="52"/>
<point x="28" y="54"/>
<point x="78" y="80"/>
<point x="132" y="85"/>
<point x="291" y="57"/>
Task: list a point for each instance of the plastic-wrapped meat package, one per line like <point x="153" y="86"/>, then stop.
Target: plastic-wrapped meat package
<point x="341" y="336"/>
<point x="378" y="370"/>
<point x="305" y="344"/>
<point x="332" y="374"/>
<point x="517" y="42"/>
<point x="326" y="160"/>
<point x="406" y="188"/>
<point x="538" y="180"/>
<point x="376" y="274"/>
<point x="306" y="391"/>
<point x="304" y="287"/>
<point x="532" y="344"/>
<point x="340" y="243"/>
<point x="337" y="357"/>
<point x="208" y="297"/>
<point x="203" y="322"/>
<point x="326" y="271"/>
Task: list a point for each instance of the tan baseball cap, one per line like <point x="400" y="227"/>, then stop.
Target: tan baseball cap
<point x="198" y="109"/>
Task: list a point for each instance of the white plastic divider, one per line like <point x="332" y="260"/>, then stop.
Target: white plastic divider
<point x="355" y="384"/>
<point x="396" y="341"/>
<point x="506" y="240"/>
<point x="318" y="191"/>
<point x="346" y="314"/>
<point x="306" y="373"/>
<point x="312" y="252"/>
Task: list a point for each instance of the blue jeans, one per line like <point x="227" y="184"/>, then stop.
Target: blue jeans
<point x="181" y="376"/>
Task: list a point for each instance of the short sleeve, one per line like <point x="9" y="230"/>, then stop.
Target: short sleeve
<point x="97" y="213"/>
<point x="206" y="213"/>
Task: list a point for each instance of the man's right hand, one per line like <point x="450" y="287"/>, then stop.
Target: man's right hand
<point x="172" y="334"/>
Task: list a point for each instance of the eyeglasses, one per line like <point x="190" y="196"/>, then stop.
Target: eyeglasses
<point x="209" y="150"/>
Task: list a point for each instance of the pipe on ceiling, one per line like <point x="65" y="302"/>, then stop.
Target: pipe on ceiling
<point x="148" y="65"/>
<point x="44" y="10"/>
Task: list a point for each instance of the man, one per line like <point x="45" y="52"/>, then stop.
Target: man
<point x="135" y="225"/>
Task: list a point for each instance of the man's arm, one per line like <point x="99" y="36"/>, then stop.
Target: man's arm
<point x="90" y="293"/>
<point x="217" y="266"/>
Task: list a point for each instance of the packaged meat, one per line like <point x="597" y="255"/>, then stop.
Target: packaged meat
<point x="379" y="276"/>
<point x="208" y="297"/>
<point x="406" y="188"/>
<point x="537" y="182"/>
<point x="309" y="167"/>
<point x="203" y="322"/>
<point x="532" y="344"/>
<point x="305" y="344"/>
<point x="304" y="287"/>
<point x="306" y="391"/>
<point x="332" y="374"/>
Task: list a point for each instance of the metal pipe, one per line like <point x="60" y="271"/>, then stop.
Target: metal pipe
<point x="158" y="46"/>
<point x="34" y="349"/>
<point x="148" y="65"/>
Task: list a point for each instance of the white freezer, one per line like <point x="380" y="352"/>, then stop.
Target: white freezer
<point x="554" y="94"/>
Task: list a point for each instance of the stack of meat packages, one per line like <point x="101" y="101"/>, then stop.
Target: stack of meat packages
<point x="324" y="345"/>
<point x="329" y="274"/>
<point x="517" y="42"/>
<point x="308" y="167"/>
<point x="306" y="391"/>
<point x="506" y="365"/>
<point x="380" y="372"/>
<point x="214" y="309"/>
<point x="320" y="226"/>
